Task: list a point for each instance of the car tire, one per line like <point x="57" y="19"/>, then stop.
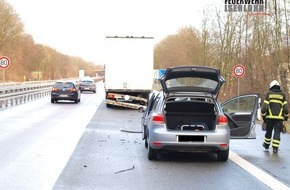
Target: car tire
<point x="52" y="101"/>
<point x="145" y="137"/>
<point x="223" y="155"/>
<point x="146" y="143"/>
<point x="152" y="154"/>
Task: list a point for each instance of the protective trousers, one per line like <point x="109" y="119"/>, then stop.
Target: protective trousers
<point x="275" y="125"/>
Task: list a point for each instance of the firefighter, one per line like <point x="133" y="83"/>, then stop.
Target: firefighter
<point x="274" y="112"/>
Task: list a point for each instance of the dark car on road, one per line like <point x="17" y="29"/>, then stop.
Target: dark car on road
<point x="187" y="117"/>
<point x="88" y="85"/>
<point x="65" y="90"/>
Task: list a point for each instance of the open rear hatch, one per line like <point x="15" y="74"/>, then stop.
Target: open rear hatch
<point x="192" y="79"/>
<point x="197" y="114"/>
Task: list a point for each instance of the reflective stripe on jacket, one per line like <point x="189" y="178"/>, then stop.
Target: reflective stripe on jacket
<point x="275" y="105"/>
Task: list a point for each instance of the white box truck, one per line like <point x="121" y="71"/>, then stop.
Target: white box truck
<point x="128" y="70"/>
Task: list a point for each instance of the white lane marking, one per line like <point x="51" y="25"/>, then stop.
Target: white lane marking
<point x="264" y="177"/>
<point x="41" y="162"/>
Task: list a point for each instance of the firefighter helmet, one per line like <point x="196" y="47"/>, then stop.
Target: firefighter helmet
<point x="274" y="83"/>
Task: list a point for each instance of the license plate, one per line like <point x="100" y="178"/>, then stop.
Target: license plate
<point x="63" y="96"/>
<point x="183" y="138"/>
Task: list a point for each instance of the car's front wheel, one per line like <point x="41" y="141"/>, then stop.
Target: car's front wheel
<point x="223" y="155"/>
<point x="146" y="135"/>
<point x="146" y="143"/>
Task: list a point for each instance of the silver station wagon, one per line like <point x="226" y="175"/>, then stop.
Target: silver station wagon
<point x="187" y="117"/>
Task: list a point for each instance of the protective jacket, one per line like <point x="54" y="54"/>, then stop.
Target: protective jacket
<point x="275" y="105"/>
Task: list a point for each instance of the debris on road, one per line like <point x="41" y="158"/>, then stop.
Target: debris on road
<point x="125" y="170"/>
<point x="129" y="131"/>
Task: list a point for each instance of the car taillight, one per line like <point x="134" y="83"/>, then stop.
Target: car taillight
<point x="222" y="119"/>
<point x="54" y="89"/>
<point x="73" y="90"/>
<point x="158" y="118"/>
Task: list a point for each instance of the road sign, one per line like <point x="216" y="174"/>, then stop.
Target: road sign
<point x="161" y="72"/>
<point x="4" y="62"/>
<point x="239" y="70"/>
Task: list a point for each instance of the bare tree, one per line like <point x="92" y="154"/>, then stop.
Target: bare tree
<point x="10" y="26"/>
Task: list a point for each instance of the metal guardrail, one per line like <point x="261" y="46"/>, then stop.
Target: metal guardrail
<point x="22" y="93"/>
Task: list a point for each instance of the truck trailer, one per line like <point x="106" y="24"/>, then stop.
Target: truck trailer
<point x="129" y="70"/>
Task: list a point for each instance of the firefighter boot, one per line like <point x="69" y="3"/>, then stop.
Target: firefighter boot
<point x="265" y="146"/>
<point x="275" y="150"/>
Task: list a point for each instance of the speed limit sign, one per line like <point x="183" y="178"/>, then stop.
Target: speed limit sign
<point x="239" y="70"/>
<point x="4" y="62"/>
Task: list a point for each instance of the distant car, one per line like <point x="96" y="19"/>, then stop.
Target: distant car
<point x="65" y="90"/>
<point x="187" y="117"/>
<point x="87" y="85"/>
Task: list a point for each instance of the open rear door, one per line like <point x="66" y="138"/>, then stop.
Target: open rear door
<point x="241" y="112"/>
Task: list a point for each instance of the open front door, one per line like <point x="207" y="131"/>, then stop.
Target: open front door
<point x="241" y="112"/>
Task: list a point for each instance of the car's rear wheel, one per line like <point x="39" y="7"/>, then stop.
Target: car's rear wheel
<point x="223" y="155"/>
<point x="152" y="153"/>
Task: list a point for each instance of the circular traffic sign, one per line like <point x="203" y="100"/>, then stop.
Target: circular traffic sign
<point x="4" y="62"/>
<point x="239" y="70"/>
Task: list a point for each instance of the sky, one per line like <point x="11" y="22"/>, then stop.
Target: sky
<point x="79" y="27"/>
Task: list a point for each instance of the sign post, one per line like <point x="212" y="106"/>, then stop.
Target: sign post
<point x="4" y="64"/>
<point x="239" y="71"/>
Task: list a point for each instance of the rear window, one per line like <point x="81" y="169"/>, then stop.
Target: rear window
<point x="191" y="82"/>
<point x="87" y="81"/>
<point x="64" y="85"/>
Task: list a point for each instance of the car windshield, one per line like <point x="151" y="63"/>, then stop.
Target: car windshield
<point x="191" y="82"/>
<point x="64" y="85"/>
